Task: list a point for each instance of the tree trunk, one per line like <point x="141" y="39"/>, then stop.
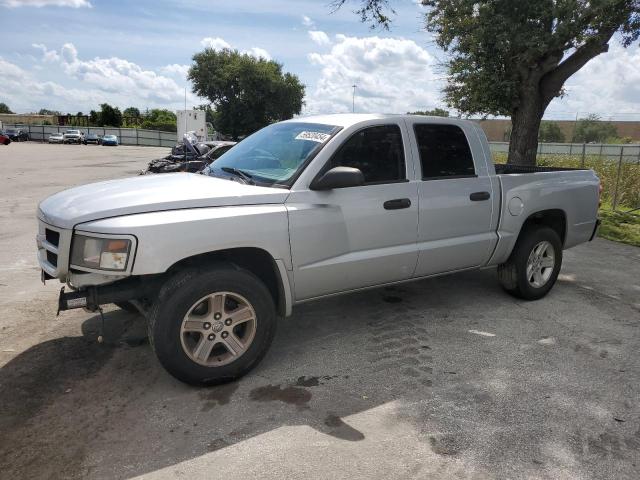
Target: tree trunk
<point x="525" y="123"/>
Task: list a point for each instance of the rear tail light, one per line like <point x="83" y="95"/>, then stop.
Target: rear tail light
<point x="600" y="189"/>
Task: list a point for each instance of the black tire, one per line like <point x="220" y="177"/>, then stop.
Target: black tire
<point x="513" y="273"/>
<point x="128" y="307"/>
<point x="180" y="293"/>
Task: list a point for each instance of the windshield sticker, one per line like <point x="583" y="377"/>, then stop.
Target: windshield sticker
<point x="313" y="136"/>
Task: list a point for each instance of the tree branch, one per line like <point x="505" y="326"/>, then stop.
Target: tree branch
<point x="553" y="81"/>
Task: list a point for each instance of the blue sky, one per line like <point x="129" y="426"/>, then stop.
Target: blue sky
<point x="71" y="55"/>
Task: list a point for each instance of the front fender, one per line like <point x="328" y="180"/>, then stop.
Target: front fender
<point x="165" y="238"/>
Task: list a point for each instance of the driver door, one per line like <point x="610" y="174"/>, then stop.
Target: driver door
<point x="349" y="238"/>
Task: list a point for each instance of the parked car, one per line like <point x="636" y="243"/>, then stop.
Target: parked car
<point x="73" y="136"/>
<point x="56" y="138"/>
<point x="17" y="134"/>
<point x="4" y="139"/>
<point x="110" y="140"/>
<point x="301" y="210"/>
<point x="92" y="138"/>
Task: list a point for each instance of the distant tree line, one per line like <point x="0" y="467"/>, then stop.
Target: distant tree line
<point x="109" y="116"/>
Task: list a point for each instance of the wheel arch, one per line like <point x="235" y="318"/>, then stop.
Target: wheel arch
<point x="257" y="261"/>
<point x="554" y="218"/>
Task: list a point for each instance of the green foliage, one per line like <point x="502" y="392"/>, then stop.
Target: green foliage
<point x="131" y="112"/>
<point x="550" y="132"/>
<point x="109" y="116"/>
<point x="4" y="108"/>
<point x="160" y="119"/>
<point x="436" y="112"/>
<point x="44" y="111"/>
<point x="247" y="93"/>
<point x="374" y="11"/>
<point x="499" y="48"/>
<point x="594" y="130"/>
<point x="94" y="118"/>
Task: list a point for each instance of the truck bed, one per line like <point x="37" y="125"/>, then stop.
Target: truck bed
<point x="507" y="169"/>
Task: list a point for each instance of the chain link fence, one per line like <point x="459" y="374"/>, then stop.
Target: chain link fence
<point x="617" y="165"/>
<point x="126" y="136"/>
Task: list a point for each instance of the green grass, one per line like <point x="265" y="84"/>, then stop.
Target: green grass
<point x="620" y="225"/>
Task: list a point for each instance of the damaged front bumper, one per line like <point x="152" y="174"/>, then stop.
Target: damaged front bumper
<point x="92" y="297"/>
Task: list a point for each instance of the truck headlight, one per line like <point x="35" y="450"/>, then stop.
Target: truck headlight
<point x="100" y="253"/>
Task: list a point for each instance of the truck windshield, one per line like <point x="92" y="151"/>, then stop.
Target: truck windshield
<point x="275" y="154"/>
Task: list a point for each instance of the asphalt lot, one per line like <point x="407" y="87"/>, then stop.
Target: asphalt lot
<point x="443" y="378"/>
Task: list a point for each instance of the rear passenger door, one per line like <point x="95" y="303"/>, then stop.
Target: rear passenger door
<point x="455" y="198"/>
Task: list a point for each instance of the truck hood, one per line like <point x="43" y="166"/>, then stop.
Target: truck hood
<point x="150" y="193"/>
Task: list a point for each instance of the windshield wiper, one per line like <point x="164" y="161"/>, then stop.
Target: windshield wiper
<point x="239" y="173"/>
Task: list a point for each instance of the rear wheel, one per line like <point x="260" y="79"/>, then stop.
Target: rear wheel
<point x="210" y="327"/>
<point x="534" y="265"/>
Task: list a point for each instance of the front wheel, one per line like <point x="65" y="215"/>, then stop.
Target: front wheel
<point x="534" y="265"/>
<point x="212" y="326"/>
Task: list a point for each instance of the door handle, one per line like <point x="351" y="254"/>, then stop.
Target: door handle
<point x="397" y="204"/>
<point x="479" y="196"/>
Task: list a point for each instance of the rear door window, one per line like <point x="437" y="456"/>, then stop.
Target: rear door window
<point x="444" y="152"/>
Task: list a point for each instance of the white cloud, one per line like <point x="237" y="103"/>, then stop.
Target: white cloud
<point x="392" y="75"/>
<point x="610" y="83"/>
<point x="113" y="80"/>
<point x="175" y="69"/>
<point x="220" y="44"/>
<point x="26" y="92"/>
<point x="307" y="22"/>
<point x="258" y="53"/>
<point x="319" y="37"/>
<point x="119" y="75"/>
<point x="216" y="43"/>
<point x="46" y="3"/>
<point x="47" y="55"/>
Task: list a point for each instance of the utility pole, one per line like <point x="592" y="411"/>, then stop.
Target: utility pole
<point x="185" y="114"/>
<point x="353" y="98"/>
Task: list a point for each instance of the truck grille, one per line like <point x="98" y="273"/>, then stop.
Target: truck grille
<point x="53" y="249"/>
<point x="52" y="258"/>
<point x="52" y="237"/>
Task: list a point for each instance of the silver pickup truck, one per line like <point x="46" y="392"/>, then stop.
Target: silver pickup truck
<point x="301" y="210"/>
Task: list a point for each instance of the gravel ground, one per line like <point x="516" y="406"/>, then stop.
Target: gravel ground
<point x="442" y="378"/>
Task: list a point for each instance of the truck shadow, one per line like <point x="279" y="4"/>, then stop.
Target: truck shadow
<point x="73" y="408"/>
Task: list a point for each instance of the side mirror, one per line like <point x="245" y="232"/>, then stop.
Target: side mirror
<point x="338" y="177"/>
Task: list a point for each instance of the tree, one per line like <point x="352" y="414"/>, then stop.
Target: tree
<point x="160" y="119"/>
<point x="550" y="132"/>
<point x="511" y="58"/>
<point x="44" y="111"/>
<point x="4" y="108"/>
<point x="436" y="112"/>
<point x="131" y="112"/>
<point x="109" y="116"/>
<point x="94" y="118"/>
<point x="594" y="130"/>
<point x="247" y="93"/>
